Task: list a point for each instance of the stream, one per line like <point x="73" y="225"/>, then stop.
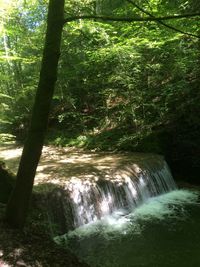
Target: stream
<point x="163" y="232"/>
<point x="156" y="230"/>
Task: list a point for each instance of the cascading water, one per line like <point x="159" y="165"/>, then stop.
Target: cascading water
<point x="141" y="222"/>
<point x="125" y="188"/>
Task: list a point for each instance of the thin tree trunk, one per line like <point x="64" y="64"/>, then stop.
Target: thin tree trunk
<point x="18" y="204"/>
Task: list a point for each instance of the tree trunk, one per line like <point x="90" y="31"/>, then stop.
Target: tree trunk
<point x="18" y="204"/>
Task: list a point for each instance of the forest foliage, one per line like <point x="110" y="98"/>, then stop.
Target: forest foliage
<point x="121" y="86"/>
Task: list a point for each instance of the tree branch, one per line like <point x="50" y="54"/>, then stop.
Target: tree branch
<point x="131" y="19"/>
<point x="159" y="20"/>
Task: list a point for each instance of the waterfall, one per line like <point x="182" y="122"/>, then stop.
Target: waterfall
<point x="83" y="201"/>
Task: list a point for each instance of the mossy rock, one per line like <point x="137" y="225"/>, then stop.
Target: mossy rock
<point x="6" y="183"/>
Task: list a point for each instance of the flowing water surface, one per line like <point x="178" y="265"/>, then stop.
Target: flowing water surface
<point x="163" y="232"/>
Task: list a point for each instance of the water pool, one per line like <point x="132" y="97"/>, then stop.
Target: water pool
<point x="163" y="232"/>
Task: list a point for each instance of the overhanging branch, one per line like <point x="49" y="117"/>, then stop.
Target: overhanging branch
<point x="131" y="19"/>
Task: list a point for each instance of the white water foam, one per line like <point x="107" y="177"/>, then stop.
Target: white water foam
<point x="169" y="205"/>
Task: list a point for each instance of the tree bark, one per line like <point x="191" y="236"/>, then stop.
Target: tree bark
<point x="18" y="203"/>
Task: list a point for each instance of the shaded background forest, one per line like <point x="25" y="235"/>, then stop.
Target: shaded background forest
<point x="121" y="86"/>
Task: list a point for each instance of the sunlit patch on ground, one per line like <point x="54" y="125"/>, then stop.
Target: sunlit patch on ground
<point x="61" y="166"/>
<point x="10" y="153"/>
<point x="3" y="264"/>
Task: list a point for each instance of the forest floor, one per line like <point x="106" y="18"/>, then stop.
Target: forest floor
<point x="32" y="247"/>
